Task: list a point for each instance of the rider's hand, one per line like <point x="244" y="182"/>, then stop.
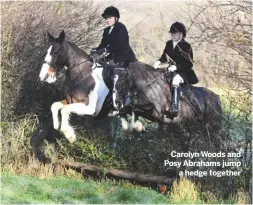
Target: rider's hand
<point x="172" y="68"/>
<point x="157" y="64"/>
<point x="93" y="51"/>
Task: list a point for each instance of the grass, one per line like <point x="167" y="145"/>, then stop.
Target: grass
<point x="65" y="189"/>
<point x="185" y="191"/>
<point x="27" y="189"/>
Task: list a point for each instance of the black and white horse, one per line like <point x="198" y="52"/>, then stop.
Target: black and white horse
<point x="150" y="96"/>
<point x="85" y="82"/>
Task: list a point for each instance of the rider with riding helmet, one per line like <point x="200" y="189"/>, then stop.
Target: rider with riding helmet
<point x="115" y="40"/>
<point x="179" y="54"/>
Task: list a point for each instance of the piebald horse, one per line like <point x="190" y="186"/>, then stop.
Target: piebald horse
<point x="86" y="85"/>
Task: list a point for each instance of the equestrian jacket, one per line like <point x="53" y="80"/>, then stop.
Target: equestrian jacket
<point x="182" y="55"/>
<point x="117" y="43"/>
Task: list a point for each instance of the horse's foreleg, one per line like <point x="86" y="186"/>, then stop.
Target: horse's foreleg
<point x="55" y="110"/>
<point x="66" y="129"/>
<point x="77" y="108"/>
<point x="125" y="124"/>
<point x="136" y="124"/>
<point x="123" y="117"/>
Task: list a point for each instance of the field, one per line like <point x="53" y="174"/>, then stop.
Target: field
<point x="17" y="189"/>
<point x="61" y="190"/>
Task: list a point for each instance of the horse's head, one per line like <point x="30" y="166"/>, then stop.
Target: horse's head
<point x="122" y="84"/>
<point x="55" y="59"/>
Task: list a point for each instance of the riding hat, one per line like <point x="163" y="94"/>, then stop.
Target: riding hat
<point x="178" y="27"/>
<point x="111" y="11"/>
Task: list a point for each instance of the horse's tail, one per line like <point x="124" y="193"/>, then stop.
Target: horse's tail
<point x="219" y="106"/>
<point x="213" y="109"/>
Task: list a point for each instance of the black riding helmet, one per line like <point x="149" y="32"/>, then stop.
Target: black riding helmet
<point x="111" y="11"/>
<point x="178" y="27"/>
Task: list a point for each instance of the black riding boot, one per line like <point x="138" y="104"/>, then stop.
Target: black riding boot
<point x="173" y="112"/>
<point x="174" y="107"/>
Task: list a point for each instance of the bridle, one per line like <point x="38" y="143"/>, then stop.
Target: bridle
<point x="48" y="63"/>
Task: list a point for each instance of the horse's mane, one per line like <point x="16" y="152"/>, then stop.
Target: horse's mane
<point x="78" y="50"/>
<point x="144" y="68"/>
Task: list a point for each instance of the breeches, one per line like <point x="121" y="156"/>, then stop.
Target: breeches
<point x="177" y="80"/>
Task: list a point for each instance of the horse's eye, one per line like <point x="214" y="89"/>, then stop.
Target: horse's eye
<point x="56" y="49"/>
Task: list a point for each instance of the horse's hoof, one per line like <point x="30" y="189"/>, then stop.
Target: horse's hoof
<point x="125" y="125"/>
<point x="72" y="139"/>
<point x="69" y="134"/>
<point x="138" y="127"/>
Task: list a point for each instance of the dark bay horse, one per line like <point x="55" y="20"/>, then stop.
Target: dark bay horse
<point x="86" y="88"/>
<point x="150" y="96"/>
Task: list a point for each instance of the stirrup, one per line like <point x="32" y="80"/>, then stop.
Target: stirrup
<point x="170" y="114"/>
<point x="174" y="109"/>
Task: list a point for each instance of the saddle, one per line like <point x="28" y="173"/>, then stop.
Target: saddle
<point x="195" y="97"/>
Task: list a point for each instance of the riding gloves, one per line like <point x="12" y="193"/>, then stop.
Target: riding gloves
<point x="172" y="68"/>
<point x="157" y="64"/>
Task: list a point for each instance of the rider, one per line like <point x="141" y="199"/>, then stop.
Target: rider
<point x="180" y="55"/>
<point x="115" y="40"/>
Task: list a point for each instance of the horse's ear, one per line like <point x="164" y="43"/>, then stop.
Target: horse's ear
<point x="62" y="36"/>
<point x="50" y="37"/>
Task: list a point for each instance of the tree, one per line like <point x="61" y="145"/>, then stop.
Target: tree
<point x="223" y="30"/>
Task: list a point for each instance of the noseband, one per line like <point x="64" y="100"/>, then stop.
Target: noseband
<point x="49" y="63"/>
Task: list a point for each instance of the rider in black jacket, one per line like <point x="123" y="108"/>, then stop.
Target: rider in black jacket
<point x="115" y="39"/>
<point x="181" y="58"/>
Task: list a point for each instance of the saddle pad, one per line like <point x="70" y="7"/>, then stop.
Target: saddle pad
<point x="195" y="96"/>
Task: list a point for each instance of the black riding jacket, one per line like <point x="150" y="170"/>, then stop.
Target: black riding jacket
<point x="117" y="43"/>
<point x="182" y="55"/>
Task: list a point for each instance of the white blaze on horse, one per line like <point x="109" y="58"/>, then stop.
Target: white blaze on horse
<point x="86" y="82"/>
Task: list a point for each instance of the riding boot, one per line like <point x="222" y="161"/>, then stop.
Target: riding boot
<point x="173" y="111"/>
<point x="174" y="107"/>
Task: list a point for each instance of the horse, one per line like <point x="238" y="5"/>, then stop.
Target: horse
<point x="87" y="85"/>
<point x="149" y="93"/>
